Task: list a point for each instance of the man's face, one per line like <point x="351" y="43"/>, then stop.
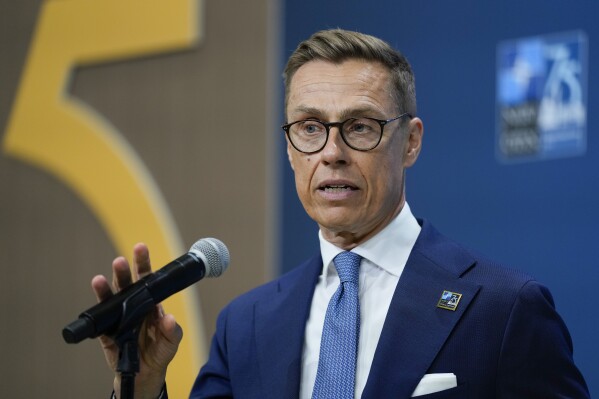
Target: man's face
<point x="352" y="195"/>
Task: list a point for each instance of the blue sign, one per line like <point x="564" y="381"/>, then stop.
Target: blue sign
<point x="542" y="97"/>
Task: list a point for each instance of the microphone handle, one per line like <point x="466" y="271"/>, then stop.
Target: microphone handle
<point x="127" y="307"/>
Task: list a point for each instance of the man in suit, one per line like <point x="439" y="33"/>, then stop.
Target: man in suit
<point x="389" y="308"/>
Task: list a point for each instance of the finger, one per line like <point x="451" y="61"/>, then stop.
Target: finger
<point x="161" y="343"/>
<point x="110" y="350"/>
<point x="155" y="317"/>
<point x="170" y="329"/>
<point x="160" y="311"/>
<point x="141" y="261"/>
<point x="121" y="274"/>
<point x="101" y="288"/>
<point x="164" y="329"/>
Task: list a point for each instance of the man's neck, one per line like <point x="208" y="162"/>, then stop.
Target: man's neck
<point x="348" y="240"/>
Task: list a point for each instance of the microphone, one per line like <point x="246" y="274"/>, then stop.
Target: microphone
<point x="126" y="309"/>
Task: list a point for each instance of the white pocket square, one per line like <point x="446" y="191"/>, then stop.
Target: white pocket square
<point x="432" y="383"/>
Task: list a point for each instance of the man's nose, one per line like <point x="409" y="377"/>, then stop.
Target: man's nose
<point x="335" y="150"/>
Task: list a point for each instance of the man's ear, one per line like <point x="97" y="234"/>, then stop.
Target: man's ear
<point x="413" y="142"/>
<point x="290" y="154"/>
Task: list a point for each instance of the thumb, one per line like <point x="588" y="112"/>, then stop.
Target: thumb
<point x="171" y="331"/>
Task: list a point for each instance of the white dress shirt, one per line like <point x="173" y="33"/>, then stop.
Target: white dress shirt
<point x="384" y="258"/>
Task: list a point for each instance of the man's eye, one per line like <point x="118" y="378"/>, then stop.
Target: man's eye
<point x="311" y="127"/>
<point x="360" y="126"/>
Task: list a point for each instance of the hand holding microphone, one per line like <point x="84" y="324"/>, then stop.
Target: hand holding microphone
<point x="124" y="310"/>
<point x="160" y="337"/>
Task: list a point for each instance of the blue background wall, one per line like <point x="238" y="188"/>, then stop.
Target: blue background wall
<point x="539" y="217"/>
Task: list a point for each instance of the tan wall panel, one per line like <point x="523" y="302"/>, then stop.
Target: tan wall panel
<point x="201" y="121"/>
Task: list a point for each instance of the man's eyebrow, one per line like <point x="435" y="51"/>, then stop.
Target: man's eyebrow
<point x="360" y="112"/>
<point x="313" y="112"/>
<point x="345" y="114"/>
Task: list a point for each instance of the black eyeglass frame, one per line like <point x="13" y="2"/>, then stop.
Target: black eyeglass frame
<point x="339" y="125"/>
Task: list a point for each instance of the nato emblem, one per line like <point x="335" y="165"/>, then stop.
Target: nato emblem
<point x="542" y="97"/>
<point x="449" y="300"/>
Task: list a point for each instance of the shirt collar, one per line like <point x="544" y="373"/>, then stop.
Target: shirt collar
<point x="389" y="249"/>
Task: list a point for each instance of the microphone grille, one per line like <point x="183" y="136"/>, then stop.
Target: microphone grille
<point x="215" y="254"/>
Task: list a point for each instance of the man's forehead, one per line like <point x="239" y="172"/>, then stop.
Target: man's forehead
<point x="351" y="68"/>
<point x="355" y="84"/>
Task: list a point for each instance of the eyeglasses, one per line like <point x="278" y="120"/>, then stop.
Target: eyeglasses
<point x="363" y="134"/>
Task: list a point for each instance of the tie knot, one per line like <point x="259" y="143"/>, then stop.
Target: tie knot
<point x="348" y="266"/>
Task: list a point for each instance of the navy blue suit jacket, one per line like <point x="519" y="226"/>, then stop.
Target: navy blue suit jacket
<point x="504" y="340"/>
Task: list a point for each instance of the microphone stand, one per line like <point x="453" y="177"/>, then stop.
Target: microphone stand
<point x="128" y="365"/>
<point x="135" y="309"/>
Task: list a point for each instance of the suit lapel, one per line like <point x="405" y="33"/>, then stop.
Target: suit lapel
<point x="414" y="331"/>
<point x="279" y="330"/>
<point x="415" y="328"/>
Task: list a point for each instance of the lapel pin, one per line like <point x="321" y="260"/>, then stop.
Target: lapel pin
<point x="449" y="300"/>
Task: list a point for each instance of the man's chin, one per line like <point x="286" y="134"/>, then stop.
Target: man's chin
<point x="338" y="225"/>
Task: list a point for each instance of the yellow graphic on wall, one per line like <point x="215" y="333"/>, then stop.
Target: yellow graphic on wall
<point x="68" y="139"/>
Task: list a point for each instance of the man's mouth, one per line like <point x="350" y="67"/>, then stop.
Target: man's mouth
<point x="336" y="188"/>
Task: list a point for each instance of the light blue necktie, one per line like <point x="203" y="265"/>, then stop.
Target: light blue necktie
<point x="336" y="375"/>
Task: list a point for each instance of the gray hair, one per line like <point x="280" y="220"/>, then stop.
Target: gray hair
<point x="338" y="45"/>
